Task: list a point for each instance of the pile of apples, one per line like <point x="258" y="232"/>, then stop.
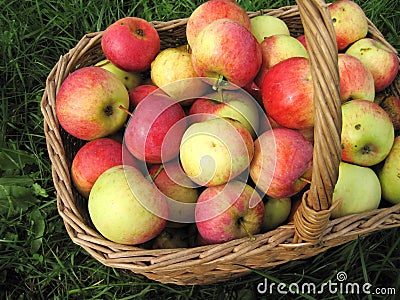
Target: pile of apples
<point x="211" y="141"/>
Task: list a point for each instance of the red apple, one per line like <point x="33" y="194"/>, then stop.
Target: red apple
<point x="356" y="81"/>
<point x="302" y="39"/>
<point x="349" y="22"/>
<point x="213" y="10"/>
<point x="226" y="48"/>
<point x="154" y="131"/>
<point x="282" y="162"/>
<point x="288" y="92"/>
<point x="131" y="43"/>
<point x="140" y="92"/>
<point x="367" y="133"/>
<point x="87" y="104"/>
<point x="92" y="160"/>
<point x="230" y="211"/>
<point x="379" y="59"/>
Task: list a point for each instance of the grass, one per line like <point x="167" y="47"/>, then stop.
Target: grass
<point x="37" y="258"/>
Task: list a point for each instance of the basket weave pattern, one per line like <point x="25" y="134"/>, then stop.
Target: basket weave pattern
<point x="312" y="231"/>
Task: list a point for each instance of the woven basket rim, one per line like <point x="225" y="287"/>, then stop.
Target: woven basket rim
<point x="171" y="265"/>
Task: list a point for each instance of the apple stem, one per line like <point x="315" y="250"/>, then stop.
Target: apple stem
<point x="152" y="178"/>
<point x="125" y="110"/>
<point x="218" y="83"/>
<point x="251" y="236"/>
<point x="305" y="180"/>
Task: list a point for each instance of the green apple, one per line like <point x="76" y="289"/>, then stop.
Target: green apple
<point x="358" y="188"/>
<point x="125" y="207"/>
<point x="277" y="210"/>
<point x="215" y="151"/>
<point x="367" y="133"/>
<point x="264" y="26"/>
<point x="389" y="175"/>
<point x="129" y="79"/>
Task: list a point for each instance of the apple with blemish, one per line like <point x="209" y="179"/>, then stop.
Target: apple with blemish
<point x="367" y="133"/>
<point x="349" y="22"/>
<point x="382" y="62"/>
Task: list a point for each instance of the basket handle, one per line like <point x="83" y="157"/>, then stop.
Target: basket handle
<point x="313" y="214"/>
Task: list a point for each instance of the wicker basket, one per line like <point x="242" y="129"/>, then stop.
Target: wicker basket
<point x="312" y="231"/>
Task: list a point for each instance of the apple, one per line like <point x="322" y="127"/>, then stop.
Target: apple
<point x="382" y="62"/>
<point x="225" y="212"/>
<point x="277" y="211"/>
<point x="254" y="90"/>
<point x="88" y="101"/>
<point x="215" y="151"/>
<point x="179" y="189"/>
<point x="277" y="48"/>
<point x="367" y="133"/>
<point x="171" y="238"/>
<point x="126" y="208"/>
<point x="302" y="40"/>
<point x="357" y="188"/>
<point x="140" y="92"/>
<point x="226" y="48"/>
<point x="349" y="22"/>
<point x="356" y="81"/>
<point x="282" y="162"/>
<point x="389" y="174"/>
<point x="210" y="11"/>
<point x="264" y="26"/>
<point x="92" y="160"/>
<point x="155" y="129"/>
<point x="391" y="105"/>
<point x="288" y="92"/>
<point x="129" y="79"/>
<point x="131" y="43"/>
<point x="173" y="72"/>
<point x="237" y="105"/>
